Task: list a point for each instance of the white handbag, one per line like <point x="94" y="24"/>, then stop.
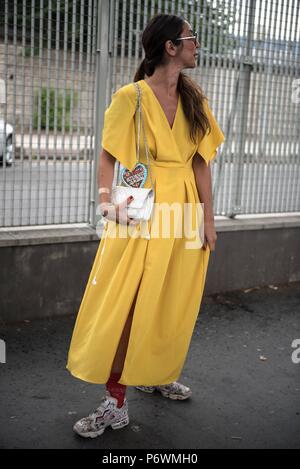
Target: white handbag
<point x="142" y="204"/>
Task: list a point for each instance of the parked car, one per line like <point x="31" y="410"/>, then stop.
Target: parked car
<point x="6" y="142"/>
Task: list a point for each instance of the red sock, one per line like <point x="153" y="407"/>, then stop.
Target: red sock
<point x="116" y="389"/>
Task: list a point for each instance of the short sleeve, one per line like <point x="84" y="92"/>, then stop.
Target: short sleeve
<point x="118" y="134"/>
<point x="208" y="145"/>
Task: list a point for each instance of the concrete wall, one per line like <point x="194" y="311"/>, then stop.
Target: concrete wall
<point x="44" y="272"/>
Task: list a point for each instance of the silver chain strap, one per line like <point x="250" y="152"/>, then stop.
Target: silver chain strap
<point x="141" y="120"/>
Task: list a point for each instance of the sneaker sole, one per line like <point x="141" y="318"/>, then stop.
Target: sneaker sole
<point x="115" y="426"/>
<point x="148" y="391"/>
<point x="174" y="397"/>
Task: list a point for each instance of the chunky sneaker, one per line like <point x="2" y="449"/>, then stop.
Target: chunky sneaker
<point x="176" y="391"/>
<point x="107" y="414"/>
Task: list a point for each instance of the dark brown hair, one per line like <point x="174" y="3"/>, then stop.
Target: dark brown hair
<point x="161" y="28"/>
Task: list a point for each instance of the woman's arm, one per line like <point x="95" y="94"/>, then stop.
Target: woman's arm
<point x="105" y="175"/>
<point x="204" y="186"/>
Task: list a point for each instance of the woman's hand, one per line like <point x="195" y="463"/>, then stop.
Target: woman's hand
<point x="210" y="235"/>
<point x="118" y="212"/>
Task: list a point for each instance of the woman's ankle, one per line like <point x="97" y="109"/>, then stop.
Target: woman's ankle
<point x="116" y="389"/>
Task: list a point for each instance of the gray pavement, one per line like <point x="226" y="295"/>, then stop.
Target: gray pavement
<point x="246" y="388"/>
<point x="50" y="192"/>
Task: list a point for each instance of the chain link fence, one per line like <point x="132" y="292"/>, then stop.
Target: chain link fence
<point x="47" y="73"/>
<point x="60" y="61"/>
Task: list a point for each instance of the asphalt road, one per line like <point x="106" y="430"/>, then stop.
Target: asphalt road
<point x="45" y="192"/>
<point x="53" y="192"/>
<point x="246" y="388"/>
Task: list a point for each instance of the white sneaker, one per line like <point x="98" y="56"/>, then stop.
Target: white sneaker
<point x="175" y="390"/>
<point x="107" y="414"/>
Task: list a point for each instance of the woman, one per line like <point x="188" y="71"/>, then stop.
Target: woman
<point x="143" y="295"/>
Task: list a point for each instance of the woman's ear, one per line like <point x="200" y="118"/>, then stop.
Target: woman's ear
<point x="170" y="48"/>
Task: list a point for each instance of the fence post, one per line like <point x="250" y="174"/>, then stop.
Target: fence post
<point x="2" y="351"/>
<point x="100" y="96"/>
<point x="243" y="106"/>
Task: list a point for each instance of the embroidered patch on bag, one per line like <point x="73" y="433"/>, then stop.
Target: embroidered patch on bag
<point x="135" y="178"/>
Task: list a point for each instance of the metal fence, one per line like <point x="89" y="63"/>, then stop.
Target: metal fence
<point x="47" y="88"/>
<point x="61" y="60"/>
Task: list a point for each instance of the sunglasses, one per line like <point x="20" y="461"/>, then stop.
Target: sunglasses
<point x="189" y="37"/>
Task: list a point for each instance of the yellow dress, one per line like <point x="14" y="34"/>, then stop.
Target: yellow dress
<point x="165" y="277"/>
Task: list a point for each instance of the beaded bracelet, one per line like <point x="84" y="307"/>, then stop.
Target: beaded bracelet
<point x="103" y="189"/>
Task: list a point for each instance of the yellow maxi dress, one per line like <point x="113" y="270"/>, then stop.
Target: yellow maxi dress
<point x="164" y="277"/>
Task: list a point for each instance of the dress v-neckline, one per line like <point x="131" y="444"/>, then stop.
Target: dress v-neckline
<point x="161" y="108"/>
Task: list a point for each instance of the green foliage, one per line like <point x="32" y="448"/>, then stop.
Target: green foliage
<point x="214" y="22"/>
<point x="62" y="105"/>
<point x="28" y="52"/>
<point x="210" y="20"/>
<point x="65" y="13"/>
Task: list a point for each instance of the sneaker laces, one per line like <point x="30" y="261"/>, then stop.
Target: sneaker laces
<point x="99" y="409"/>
